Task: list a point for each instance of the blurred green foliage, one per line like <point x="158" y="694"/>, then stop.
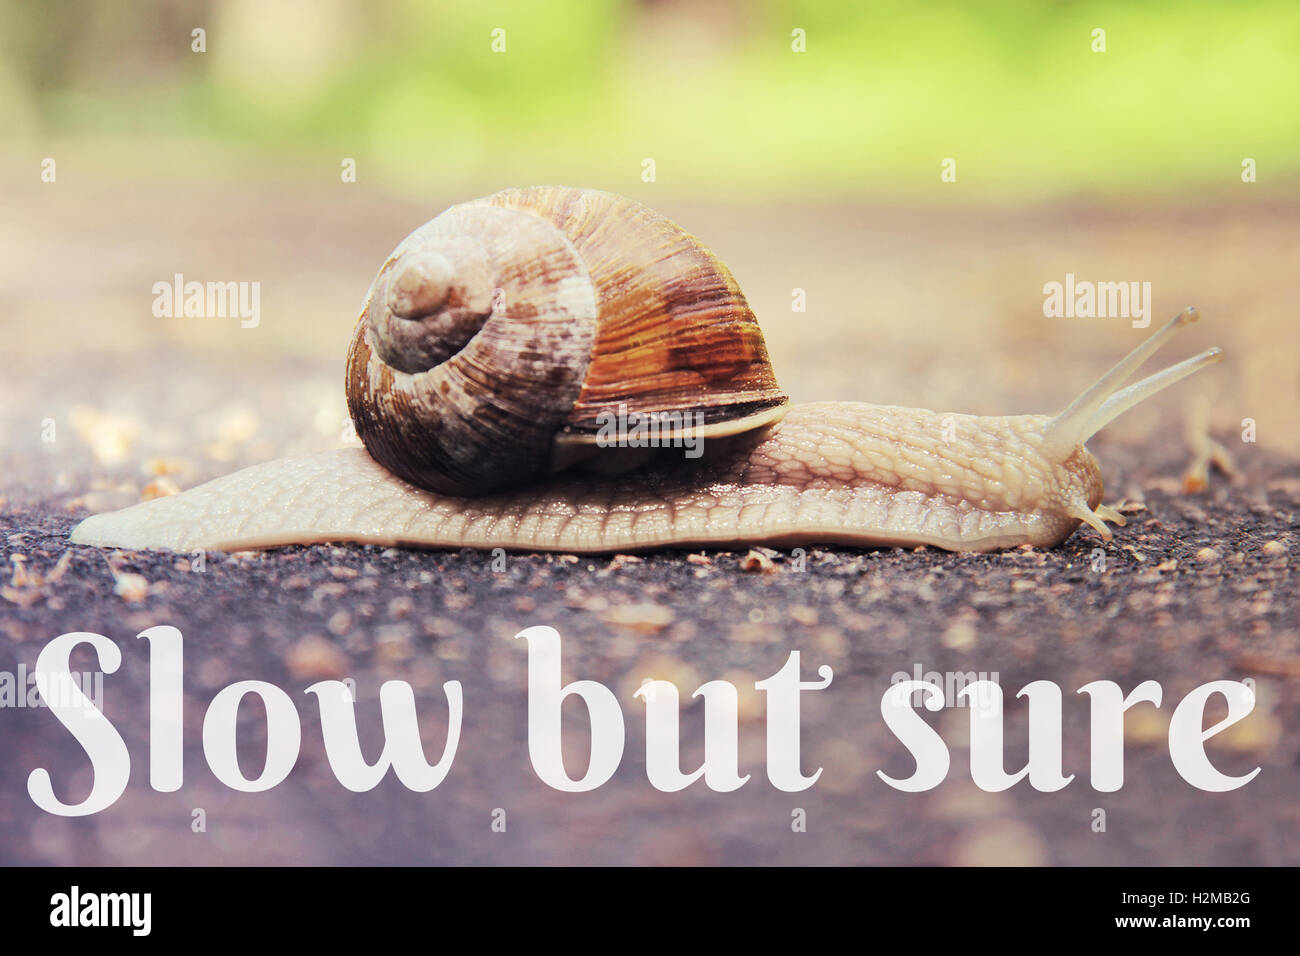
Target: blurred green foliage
<point x="711" y="91"/>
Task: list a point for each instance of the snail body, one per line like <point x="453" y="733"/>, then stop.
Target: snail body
<point x="497" y="340"/>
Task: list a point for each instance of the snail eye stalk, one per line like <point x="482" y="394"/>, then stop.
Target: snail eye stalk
<point x="1104" y="400"/>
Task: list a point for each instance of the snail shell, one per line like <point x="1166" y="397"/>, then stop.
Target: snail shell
<point x="496" y="335"/>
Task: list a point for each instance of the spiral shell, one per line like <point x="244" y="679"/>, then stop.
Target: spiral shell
<point x="496" y="335"/>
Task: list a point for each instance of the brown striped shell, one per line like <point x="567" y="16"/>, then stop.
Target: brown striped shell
<point x="497" y="334"/>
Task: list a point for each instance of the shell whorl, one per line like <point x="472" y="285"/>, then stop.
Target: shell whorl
<point x="500" y="331"/>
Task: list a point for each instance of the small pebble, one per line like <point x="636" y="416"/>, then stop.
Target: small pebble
<point x="756" y="561"/>
<point x="314" y="658"/>
<point x="803" y="615"/>
<point x="132" y="588"/>
<point x="23" y="597"/>
<point x="1000" y="842"/>
<point x="1145" y="725"/>
<point x="959" y="635"/>
<point x="644" y="617"/>
<point x="678" y="673"/>
<point x="161" y="487"/>
<point x="1256" y="733"/>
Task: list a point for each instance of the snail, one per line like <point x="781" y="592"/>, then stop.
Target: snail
<point x="501" y="340"/>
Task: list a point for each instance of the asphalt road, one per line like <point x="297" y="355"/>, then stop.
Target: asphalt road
<point x="103" y="403"/>
<point x="1196" y="588"/>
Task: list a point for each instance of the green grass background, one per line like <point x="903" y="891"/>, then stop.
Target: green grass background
<point x="711" y="91"/>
